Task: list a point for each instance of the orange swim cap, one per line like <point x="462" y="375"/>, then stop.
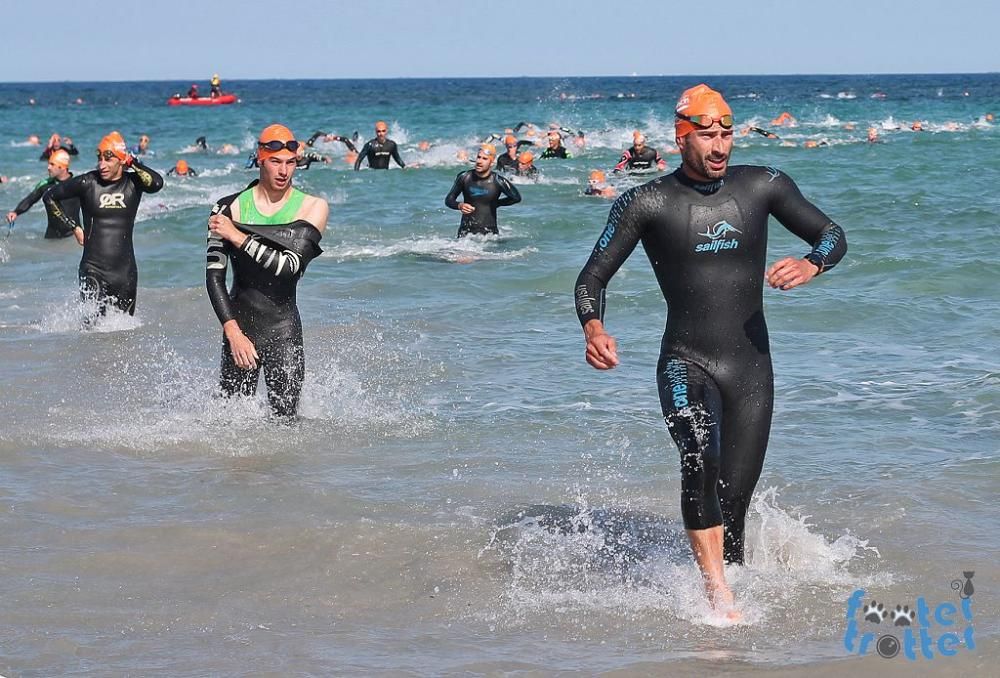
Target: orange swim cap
<point x="510" y="140"/>
<point x="917" y="126"/>
<point x="60" y="158"/>
<point x="526" y="158"/>
<point x="278" y="133"/>
<point x="181" y="167"/>
<point x="638" y="136"/>
<point x="489" y="150"/>
<point x="597" y="175"/>
<point x="116" y="144"/>
<point x="424" y="145"/>
<point x="810" y="143"/>
<point x="381" y="123"/>
<point x="699" y="100"/>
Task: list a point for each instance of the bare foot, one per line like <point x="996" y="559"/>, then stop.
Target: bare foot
<point x="723" y="601"/>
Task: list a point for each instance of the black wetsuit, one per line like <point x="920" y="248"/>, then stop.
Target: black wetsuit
<point x="707" y="244"/>
<point x="56" y="227"/>
<point x="632" y="159"/>
<point x="107" y="270"/>
<point x="306" y="159"/>
<point x="266" y="271"/>
<point x="505" y="163"/>
<point x="378" y="154"/>
<point x="557" y="152"/>
<point x="483" y="193"/>
<point x="336" y="137"/>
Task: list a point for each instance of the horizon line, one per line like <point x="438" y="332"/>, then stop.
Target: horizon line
<point x="497" y="77"/>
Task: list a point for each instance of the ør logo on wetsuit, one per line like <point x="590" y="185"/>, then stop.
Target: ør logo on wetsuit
<point x="716" y="233"/>
<point x="112" y="201"/>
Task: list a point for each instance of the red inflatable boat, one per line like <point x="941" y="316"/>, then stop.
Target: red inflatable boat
<point x="202" y="101"/>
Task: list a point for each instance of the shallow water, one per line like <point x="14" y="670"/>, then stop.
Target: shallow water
<point x="150" y="527"/>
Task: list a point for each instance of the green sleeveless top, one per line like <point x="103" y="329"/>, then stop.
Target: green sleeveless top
<point x="250" y="216"/>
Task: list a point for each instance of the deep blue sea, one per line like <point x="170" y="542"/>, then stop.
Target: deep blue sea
<point x="149" y="528"/>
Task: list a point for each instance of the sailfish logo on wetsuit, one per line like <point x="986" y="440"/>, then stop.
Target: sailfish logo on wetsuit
<point x="717" y="233"/>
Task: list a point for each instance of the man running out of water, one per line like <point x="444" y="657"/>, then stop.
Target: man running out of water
<point x="268" y="233"/>
<point x="704" y="229"/>
<point x="377" y="151"/>
<point x="481" y="190"/>
<point x="110" y="198"/>
<point x="58" y="173"/>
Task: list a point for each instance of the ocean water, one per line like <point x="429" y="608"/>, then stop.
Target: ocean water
<point x="463" y="494"/>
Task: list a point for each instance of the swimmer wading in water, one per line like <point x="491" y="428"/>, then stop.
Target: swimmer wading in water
<point x="109" y="197"/>
<point x="268" y="234"/>
<point x="704" y="230"/>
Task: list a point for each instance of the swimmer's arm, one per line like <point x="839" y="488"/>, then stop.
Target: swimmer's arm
<point x="365" y="150"/>
<point x="451" y="200"/>
<point x="624" y="229"/>
<point x="317" y="212"/>
<point x="395" y="156"/>
<point x="73" y="188"/>
<point x="808" y="222"/>
<point x="508" y="189"/>
<point x="216" y="266"/>
<point x="33" y="197"/>
<point x="149" y="180"/>
<point x="626" y="156"/>
<point x="524" y="142"/>
<point x="342" y="139"/>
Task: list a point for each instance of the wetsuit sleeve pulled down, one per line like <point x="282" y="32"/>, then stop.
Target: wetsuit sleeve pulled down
<point x="513" y="196"/>
<point x="217" y="264"/>
<point x="148" y="180"/>
<point x="281" y="263"/>
<point x="808" y="222"/>
<point x="451" y="200"/>
<point x="73" y="188"/>
<point x="34" y="196"/>
<point x="624" y="229"/>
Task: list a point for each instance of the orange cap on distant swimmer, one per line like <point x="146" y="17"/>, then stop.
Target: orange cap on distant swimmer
<point x="488" y="150"/>
<point x="597" y="175"/>
<point x="510" y="140"/>
<point x="638" y="136"/>
<point x="181" y="167"/>
<point x="116" y="144"/>
<point x="699" y="100"/>
<point x="275" y="132"/>
<point x="59" y="157"/>
<point x="526" y="158"/>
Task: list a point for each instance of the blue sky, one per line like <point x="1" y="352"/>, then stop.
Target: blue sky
<point x="60" y="40"/>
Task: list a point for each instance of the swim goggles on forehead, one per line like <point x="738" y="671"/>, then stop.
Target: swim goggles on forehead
<point x="705" y="121"/>
<point x="274" y="145"/>
<point x="106" y="155"/>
